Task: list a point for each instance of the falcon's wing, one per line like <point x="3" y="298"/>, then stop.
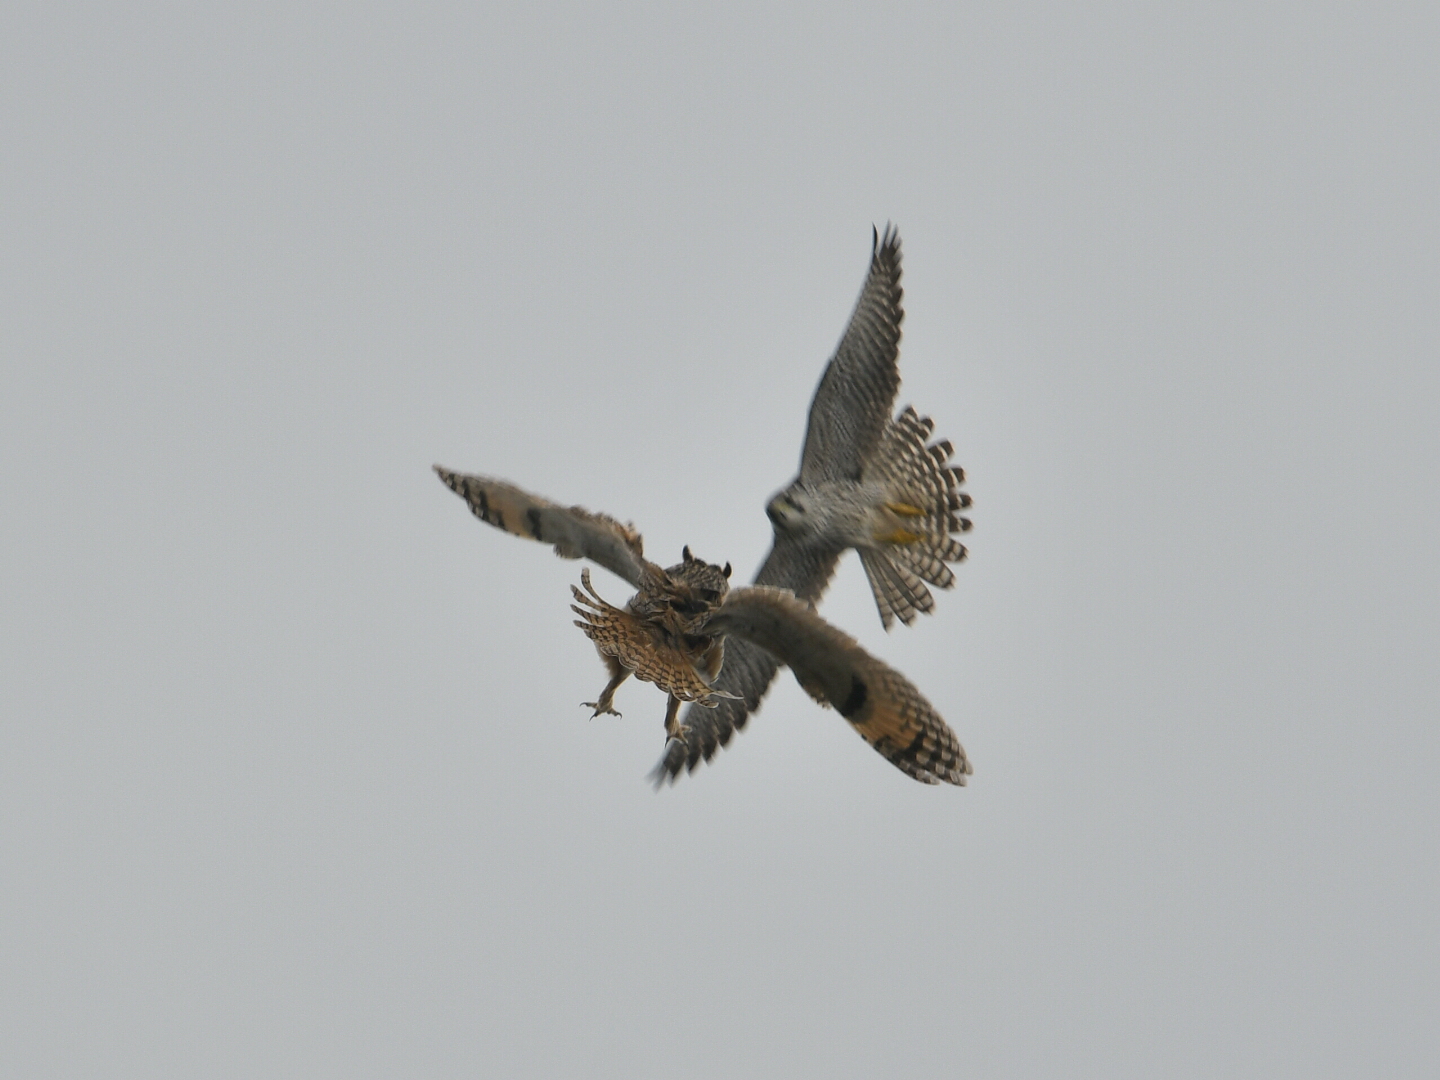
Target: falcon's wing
<point x="749" y="669"/>
<point x="575" y="532"/>
<point x="852" y="403"/>
<point x="882" y="705"/>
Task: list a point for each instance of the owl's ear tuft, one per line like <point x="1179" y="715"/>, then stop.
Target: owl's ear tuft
<point x="686" y="553"/>
<point x="727" y="571"/>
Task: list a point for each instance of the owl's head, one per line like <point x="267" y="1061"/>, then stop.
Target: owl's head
<point x="708" y="582"/>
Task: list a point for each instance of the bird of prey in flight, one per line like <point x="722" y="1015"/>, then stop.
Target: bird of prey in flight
<point x="867" y="481"/>
<point x="674" y="631"/>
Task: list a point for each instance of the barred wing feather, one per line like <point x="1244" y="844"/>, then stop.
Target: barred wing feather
<point x="852" y="403"/>
<point x="576" y="532"/>
<point x="880" y="703"/>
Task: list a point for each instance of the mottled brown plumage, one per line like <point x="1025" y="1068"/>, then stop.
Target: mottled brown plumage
<point x="646" y="648"/>
<point x="659" y="636"/>
<point x="880" y="703"/>
<point x="677" y="629"/>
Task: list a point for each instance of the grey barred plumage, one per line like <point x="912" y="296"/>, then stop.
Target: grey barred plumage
<point x="867" y="481"/>
<point x="851" y="406"/>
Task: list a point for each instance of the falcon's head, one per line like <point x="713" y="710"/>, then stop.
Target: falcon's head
<point x="789" y="511"/>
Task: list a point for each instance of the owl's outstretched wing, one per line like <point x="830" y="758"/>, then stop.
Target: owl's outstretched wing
<point x="576" y="532"/>
<point x="880" y="703"/>
<point x="852" y="403"/>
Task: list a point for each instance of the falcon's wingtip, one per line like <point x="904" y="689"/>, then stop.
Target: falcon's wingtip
<point x="884" y="243"/>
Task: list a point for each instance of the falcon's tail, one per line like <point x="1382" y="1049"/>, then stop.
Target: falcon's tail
<point x="925" y="504"/>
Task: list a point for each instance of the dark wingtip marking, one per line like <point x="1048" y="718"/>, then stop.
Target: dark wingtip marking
<point x="667" y="769"/>
<point x="532" y="522"/>
<point x="856" y="701"/>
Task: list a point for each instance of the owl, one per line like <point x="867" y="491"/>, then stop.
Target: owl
<point x="674" y="632"/>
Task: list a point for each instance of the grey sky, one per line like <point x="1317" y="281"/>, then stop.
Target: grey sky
<point x="294" y="779"/>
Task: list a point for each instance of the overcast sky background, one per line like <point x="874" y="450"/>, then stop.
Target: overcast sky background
<point x="294" y="778"/>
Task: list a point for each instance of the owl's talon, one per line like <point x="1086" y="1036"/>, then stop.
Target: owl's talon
<point x="606" y="711"/>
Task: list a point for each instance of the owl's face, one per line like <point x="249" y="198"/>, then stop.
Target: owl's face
<point x="707" y="582"/>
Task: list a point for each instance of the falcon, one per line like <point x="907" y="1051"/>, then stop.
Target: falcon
<point x="867" y="481"/>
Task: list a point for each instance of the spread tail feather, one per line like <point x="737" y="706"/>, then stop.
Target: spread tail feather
<point x="899" y="593"/>
<point x="928" y="558"/>
<point x="924" y="493"/>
